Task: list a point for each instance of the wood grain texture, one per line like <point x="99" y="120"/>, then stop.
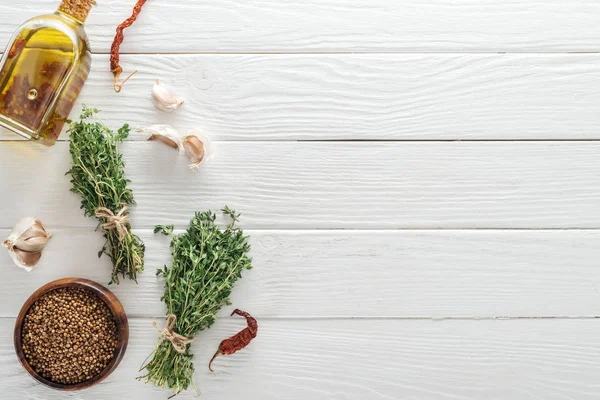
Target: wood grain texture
<point x="323" y="274"/>
<point x="361" y="359"/>
<point x="329" y="185"/>
<point x="359" y="97"/>
<point x="335" y="25"/>
<point x="379" y="272"/>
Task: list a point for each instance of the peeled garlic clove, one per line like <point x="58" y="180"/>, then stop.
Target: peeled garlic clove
<point x="26" y="242"/>
<point x="165" y="98"/>
<point x="198" y="148"/>
<point x="163" y="133"/>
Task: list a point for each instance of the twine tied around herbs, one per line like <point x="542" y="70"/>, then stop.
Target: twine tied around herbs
<point x="178" y="341"/>
<point x="118" y="221"/>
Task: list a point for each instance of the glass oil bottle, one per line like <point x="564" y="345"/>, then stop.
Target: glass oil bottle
<point x="42" y="72"/>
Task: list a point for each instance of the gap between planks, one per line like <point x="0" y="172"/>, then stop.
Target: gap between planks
<point x="300" y="53"/>
<point x="63" y="139"/>
<point x="355" y="229"/>
<point x="324" y="53"/>
<point x="375" y="318"/>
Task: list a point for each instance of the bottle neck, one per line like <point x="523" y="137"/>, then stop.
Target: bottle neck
<point x="76" y="9"/>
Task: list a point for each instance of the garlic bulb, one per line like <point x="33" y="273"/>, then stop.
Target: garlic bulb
<point x="26" y="242"/>
<point x="198" y="148"/>
<point x="163" y="133"/>
<point x="165" y="98"/>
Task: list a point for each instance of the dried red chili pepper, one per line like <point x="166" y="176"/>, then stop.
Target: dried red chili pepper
<point x="15" y="102"/>
<point x="238" y="341"/>
<point x="53" y="69"/>
<point x="17" y="47"/>
<point x="115" y="68"/>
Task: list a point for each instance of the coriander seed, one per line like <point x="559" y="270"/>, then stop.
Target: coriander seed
<point x="69" y="335"/>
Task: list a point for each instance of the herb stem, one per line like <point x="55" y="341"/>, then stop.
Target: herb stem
<point x="98" y="176"/>
<point x="206" y="263"/>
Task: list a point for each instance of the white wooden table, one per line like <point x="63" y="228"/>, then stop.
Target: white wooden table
<point x="420" y="178"/>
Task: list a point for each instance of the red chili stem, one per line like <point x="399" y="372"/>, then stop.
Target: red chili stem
<point x="115" y="68"/>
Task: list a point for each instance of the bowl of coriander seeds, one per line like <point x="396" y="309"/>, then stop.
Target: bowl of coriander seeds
<point x="71" y="334"/>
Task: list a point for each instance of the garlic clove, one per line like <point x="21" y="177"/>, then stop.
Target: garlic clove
<point x="33" y="244"/>
<point x="29" y="259"/>
<point x="165" y="98"/>
<point x="163" y="133"/>
<point x="198" y="148"/>
<point x="20" y="227"/>
<point x="194" y="148"/>
<point x="18" y="262"/>
<point x="26" y="242"/>
<point x="36" y="230"/>
<point x="165" y="140"/>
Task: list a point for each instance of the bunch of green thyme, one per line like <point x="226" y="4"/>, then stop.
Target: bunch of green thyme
<point x="207" y="261"/>
<point x="98" y="176"/>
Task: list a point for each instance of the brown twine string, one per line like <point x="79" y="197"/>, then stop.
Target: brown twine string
<point x="178" y="341"/>
<point x="118" y="222"/>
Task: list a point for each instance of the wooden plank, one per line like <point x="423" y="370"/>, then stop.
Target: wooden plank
<point x="335" y="25"/>
<point x="322" y="274"/>
<point x="362" y="359"/>
<point x="285" y="185"/>
<point x="340" y="97"/>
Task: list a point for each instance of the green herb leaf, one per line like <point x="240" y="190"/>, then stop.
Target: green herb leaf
<point x="206" y="263"/>
<point x="98" y="176"/>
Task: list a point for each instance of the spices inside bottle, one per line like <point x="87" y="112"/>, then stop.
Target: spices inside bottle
<point x="43" y="71"/>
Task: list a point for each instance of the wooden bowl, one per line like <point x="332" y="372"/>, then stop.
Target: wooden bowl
<point x="119" y="317"/>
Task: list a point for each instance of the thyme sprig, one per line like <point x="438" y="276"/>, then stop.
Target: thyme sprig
<point x="207" y="260"/>
<point x="98" y="175"/>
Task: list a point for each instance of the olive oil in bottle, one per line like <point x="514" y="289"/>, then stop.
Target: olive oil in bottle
<point x="43" y="71"/>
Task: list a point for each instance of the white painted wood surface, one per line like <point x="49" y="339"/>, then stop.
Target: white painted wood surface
<point x="365" y="359"/>
<point x="356" y="185"/>
<point x="438" y="237"/>
<point x="285" y="26"/>
<point x="349" y="96"/>
<point x="345" y="274"/>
